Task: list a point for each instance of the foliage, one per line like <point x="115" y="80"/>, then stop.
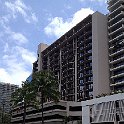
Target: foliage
<point x="43" y="82"/>
<point x="6" y="117"/>
<point x="46" y="84"/>
<point x="66" y="119"/>
<point x="25" y="95"/>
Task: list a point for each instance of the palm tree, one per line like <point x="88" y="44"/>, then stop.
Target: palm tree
<point x="65" y="119"/>
<point x="46" y="84"/>
<point x="24" y="95"/>
<point x="4" y="118"/>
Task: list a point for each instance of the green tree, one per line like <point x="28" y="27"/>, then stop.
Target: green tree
<point x="25" y="95"/>
<point x="66" y="119"/>
<point x="5" y="118"/>
<point x="46" y="84"/>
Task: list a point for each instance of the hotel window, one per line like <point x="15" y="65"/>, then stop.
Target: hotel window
<point x="81" y="54"/>
<point x="81" y="74"/>
<point x="81" y="48"/>
<point x="89" y="51"/>
<point x="90" y="37"/>
<point x="81" y="67"/>
<point x="81" y="61"/>
<point x="90" y="86"/>
<point x="81" y="82"/>
<point x="81" y="88"/>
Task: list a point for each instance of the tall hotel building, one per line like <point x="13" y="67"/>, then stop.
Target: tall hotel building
<point x="6" y="89"/>
<point x="79" y="59"/>
<point x="116" y="45"/>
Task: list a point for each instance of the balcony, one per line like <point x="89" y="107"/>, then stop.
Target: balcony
<point x="117" y="17"/>
<point x="114" y="4"/>
<point x="118" y="31"/>
<point x="117" y="68"/>
<point x="117" y="83"/>
<point x="120" y="36"/>
<point x="115" y="25"/>
<point x="118" y="60"/>
<point x="117" y="52"/>
<point x="109" y="1"/>
<point x="115" y="11"/>
<point x="117" y="76"/>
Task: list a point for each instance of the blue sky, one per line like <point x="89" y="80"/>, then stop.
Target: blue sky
<point x="26" y="23"/>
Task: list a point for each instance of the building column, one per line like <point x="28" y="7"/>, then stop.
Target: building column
<point x="75" y="46"/>
<point x="85" y="115"/>
<point x="60" y="75"/>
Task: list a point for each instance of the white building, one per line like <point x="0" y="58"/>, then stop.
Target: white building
<point x="104" y="110"/>
<point x="6" y="89"/>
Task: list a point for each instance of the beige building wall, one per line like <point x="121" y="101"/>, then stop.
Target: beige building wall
<point x="100" y="61"/>
<point x="41" y="47"/>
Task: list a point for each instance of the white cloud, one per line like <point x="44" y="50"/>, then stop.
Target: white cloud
<point x="6" y="47"/>
<point x="19" y="37"/>
<point x="58" y="26"/>
<point x="16" y="37"/>
<point x="5" y="18"/>
<point x="16" y="65"/>
<point x="16" y="76"/>
<point x="67" y="6"/>
<point x="27" y="56"/>
<point x="16" y="59"/>
<point x="34" y="18"/>
<point x="4" y="76"/>
<point x="18" y="7"/>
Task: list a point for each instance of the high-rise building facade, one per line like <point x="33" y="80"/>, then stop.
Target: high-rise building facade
<point x="116" y="45"/>
<point x="109" y="109"/>
<point x="79" y="59"/>
<point x="6" y="89"/>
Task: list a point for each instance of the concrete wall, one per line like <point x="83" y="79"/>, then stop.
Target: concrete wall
<point x="73" y="104"/>
<point x="64" y="113"/>
<point x="41" y="47"/>
<point x="100" y="61"/>
<point x="103" y="109"/>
